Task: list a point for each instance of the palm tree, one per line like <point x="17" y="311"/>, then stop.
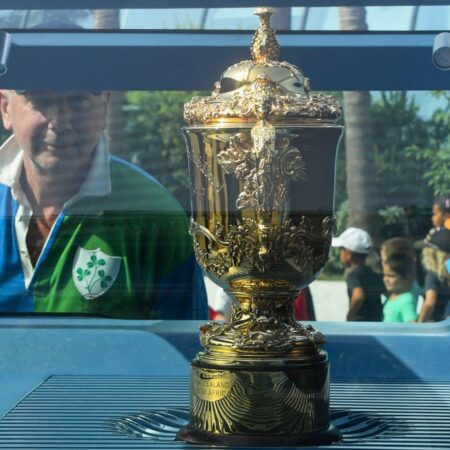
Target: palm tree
<point x="109" y="19"/>
<point x="362" y="191"/>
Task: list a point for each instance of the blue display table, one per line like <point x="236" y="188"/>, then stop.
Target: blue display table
<point x="66" y="380"/>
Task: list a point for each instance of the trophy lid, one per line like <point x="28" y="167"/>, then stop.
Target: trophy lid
<point x="262" y="88"/>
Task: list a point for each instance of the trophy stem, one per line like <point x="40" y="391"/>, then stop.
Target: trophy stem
<point x="262" y="325"/>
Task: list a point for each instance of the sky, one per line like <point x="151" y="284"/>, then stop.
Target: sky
<point x="379" y="18"/>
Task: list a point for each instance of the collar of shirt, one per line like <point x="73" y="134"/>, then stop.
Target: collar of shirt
<point x="97" y="182"/>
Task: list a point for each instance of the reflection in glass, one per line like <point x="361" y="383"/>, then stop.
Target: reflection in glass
<point x="83" y="232"/>
<point x="379" y="18"/>
<point x="146" y="132"/>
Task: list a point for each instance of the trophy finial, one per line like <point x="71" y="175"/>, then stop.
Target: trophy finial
<point x="265" y="46"/>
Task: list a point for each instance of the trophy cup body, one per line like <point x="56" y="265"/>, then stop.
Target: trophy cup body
<point x="262" y="153"/>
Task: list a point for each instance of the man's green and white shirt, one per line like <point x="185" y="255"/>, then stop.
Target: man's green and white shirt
<point x="119" y="248"/>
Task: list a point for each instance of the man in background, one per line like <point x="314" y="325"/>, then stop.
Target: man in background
<point x="83" y="232"/>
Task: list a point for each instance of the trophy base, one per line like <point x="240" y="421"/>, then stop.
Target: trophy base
<point x="194" y="436"/>
<point x="260" y="402"/>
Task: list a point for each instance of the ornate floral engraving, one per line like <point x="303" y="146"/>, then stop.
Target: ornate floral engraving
<point x="264" y="170"/>
<point x="305" y="245"/>
<point x="239" y="160"/>
<point x="257" y="285"/>
<point x="264" y="325"/>
<point x="203" y="167"/>
<point x="263" y="136"/>
<point x="241" y="104"/>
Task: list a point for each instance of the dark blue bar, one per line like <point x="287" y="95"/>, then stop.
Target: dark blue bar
<point x="195" y="60"/>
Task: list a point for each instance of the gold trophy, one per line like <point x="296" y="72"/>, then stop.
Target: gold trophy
<point x="262" y="152"/>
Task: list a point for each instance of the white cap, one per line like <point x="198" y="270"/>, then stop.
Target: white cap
<point x="354" y="239"/>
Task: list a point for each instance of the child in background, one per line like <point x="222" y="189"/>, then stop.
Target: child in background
<point x="394" y="246"/>
<point x="398" y="275"/>
<point x="441" y="213"/>
<point x="402" y="246"/>
<point x="436" y="261"/>
<point x="364" y="286"/>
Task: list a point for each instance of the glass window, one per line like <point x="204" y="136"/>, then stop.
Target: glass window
<point x="432" y="18"/>
<point x="83" y="232"/>
<point x="57" y="176"/>
<point x="379" y="18"/>
<point x="143" y="127"/>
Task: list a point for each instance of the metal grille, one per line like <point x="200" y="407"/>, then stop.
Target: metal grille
<point x="79" y="412"/>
